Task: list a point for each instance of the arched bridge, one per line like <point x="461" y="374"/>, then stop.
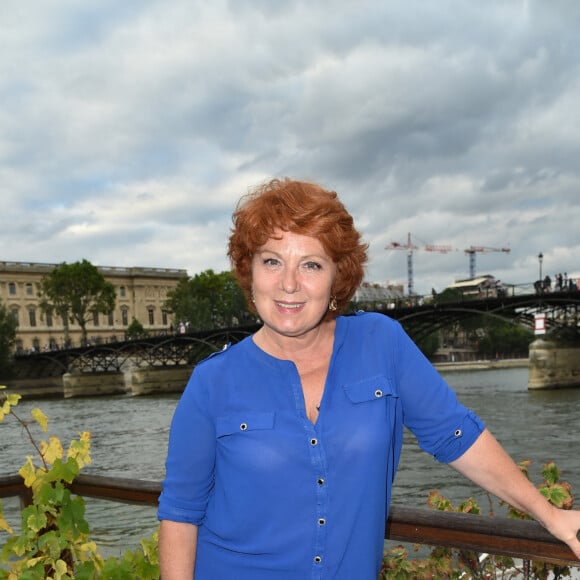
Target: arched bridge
<point x="419" y="319"/>
<point x="425" y="317"/>
<point x="161" y="351"/>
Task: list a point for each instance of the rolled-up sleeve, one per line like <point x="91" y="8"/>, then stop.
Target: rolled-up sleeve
<point x="190" y="459"/>
<point x="444" y="427"/>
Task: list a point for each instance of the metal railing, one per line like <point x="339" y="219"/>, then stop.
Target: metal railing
<point x="484" y="534"/>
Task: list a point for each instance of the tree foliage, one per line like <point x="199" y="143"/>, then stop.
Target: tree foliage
<point x="504" y="337"/>
<point x="8" y="327"/>
<point x="135" y="330"/>
<point x="208" y="300"/>
<point x="54" y="541"/>
<point x="75" y="292"/>
<point x="429" y="344"/>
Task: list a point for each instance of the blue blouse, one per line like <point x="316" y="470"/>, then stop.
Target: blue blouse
<point x="277" y="497"/>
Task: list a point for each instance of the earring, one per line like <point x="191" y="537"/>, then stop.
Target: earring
<point x="332" y="305"/>
<point x="253" y="299"/>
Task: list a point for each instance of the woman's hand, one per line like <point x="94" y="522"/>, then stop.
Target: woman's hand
<point x="565" y="525"/>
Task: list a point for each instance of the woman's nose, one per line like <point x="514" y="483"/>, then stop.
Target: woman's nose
<point x="289" y="281"/>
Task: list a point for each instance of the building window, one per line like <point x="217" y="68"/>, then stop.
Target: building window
<point x="164" y="317"/>
<point x="32" y="316"/>
<point x="35" y="345"/>
<point x="29" y="289"/>
<point x="111" y="319"/>
<point x="95" y="318"/>
<point x="15" y="315"/>
<point x="151" y="316"/>
<point x="49" y="319"/>
<point x="124" y="316"/>
<point x="122" y="291"/>
<point x="12" y="289"/>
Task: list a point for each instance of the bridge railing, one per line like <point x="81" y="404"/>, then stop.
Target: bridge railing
<point x="483" y="534"/>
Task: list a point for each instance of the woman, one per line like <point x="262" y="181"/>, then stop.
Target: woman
<point x="284" y="447"/>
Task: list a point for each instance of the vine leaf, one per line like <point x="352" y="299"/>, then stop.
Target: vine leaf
<point x="52" y="450"/>
<point x="40" y="418"/>
<point x="4" y="525"/>
<point x="8" y="401"/>
<point x="80" y="450"/>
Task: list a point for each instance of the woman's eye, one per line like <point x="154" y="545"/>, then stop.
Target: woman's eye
<point x="313" y="266"/>
<point x="270" y="261"/>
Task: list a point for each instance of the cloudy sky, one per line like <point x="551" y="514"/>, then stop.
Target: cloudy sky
<point x="128" y="130"/>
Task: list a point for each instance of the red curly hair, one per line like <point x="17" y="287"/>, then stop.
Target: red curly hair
<point x="301" y="208"/>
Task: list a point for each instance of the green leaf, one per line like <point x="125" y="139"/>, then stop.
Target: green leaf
<point x="551" y="473"/>
<point x="36" y="521"/>
<point x="51" y="544"/>
<point x="86" y="571"/>
<point x="72" y="517"/>
<point x="63" y="471"/>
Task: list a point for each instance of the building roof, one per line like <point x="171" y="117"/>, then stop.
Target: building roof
<point x="375" y="293"/>
<point x="473" y="282"/>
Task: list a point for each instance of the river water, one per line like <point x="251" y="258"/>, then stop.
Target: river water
<point x="129" y="438"/>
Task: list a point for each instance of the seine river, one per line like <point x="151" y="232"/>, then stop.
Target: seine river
<point x="129" y="438"/>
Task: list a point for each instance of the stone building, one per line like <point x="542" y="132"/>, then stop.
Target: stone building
<point x="141" y="294"/>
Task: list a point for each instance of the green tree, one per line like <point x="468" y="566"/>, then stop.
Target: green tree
<point x="8" y="327"/>
<point x="502" y="337"/>
<point x="135" y="330"/>
<point x="429" y="344"/>
<point x="74" y="292"/>
<point x="208" y="300"/>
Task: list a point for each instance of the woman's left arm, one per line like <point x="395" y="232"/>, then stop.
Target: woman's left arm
<point x="488" y="465"/>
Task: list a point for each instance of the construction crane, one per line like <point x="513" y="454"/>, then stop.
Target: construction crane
<point x="410" y="246"/>
<point x="473" y="250"/>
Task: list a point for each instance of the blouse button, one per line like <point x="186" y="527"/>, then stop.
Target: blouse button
<point x="321" y="521"/>
<point x="313" y="442"/>
<point x="320" y="481"/>
<point x="378" y="393"/>
<point x="243" y="426"/>
<point x="317" y="559"/>
<point x="458" y="432"/>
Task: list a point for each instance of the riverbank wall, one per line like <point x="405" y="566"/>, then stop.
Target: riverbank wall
<point x="481" y="365"/>
<point x="134" y="382"/>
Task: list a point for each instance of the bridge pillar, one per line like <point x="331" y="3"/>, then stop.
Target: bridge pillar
<point x="159" y="380"/>
<point x="553" y="365"/>
<point x="93" y="384"/>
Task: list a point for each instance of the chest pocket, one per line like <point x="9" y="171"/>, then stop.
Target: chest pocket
<point x="242" y="423"/>
<point x="371" y="389"/>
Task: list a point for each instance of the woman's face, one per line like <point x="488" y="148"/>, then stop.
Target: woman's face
<point x="292" y="279"/>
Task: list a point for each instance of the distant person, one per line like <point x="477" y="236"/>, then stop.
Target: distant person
<point x="284" y="446"/>
<point x="547" y="283"/>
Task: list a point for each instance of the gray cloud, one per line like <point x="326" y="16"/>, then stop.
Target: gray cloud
<point x="127" y="133"/>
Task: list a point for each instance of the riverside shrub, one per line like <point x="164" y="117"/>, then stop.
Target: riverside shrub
<point x="54" y="542"/>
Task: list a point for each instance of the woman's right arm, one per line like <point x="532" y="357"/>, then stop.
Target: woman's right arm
<point x="177" y="549"/>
